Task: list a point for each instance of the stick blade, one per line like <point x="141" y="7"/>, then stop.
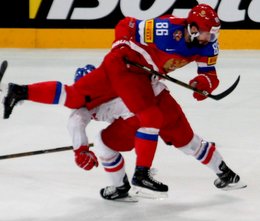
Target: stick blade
<point x="226" y="92"/>
<point x="2" y="69"/>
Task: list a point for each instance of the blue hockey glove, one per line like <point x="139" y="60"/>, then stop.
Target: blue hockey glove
<point x="81" y="72"/>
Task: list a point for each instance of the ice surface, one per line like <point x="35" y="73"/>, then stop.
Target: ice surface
<point x="50" y="187"/>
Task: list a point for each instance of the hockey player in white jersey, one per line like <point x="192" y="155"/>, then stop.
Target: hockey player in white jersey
<point x="112" y="161"/>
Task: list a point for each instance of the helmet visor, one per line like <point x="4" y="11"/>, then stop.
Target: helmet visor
<point x="210" y="36"/>
<point x="207" y="36"/>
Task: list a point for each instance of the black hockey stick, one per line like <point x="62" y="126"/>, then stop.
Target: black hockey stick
<point x="202" y="92"/>
<point x="2" y="69"/>
<point x="37" y="152"/>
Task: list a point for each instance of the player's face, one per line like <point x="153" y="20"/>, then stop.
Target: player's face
<point x="202" y="38"/>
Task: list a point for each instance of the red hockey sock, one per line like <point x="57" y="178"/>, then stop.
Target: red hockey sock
<point x="45" y="92"/>
<point x="145" y="146"/>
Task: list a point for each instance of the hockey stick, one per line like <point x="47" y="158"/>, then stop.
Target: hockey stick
<point x="202" y="92"/>
<point x="37" y="152"/>
<point x="3" y="69"/>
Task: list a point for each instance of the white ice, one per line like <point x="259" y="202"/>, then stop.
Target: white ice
<point x="50" y="187"/>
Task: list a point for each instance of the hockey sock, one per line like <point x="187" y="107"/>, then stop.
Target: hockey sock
<point x="145" y="146"/>
<point x="115" y="168"/>
<point x="209" y="156"/>
<point x="51" y="92"/>
<point x="203" y="151"/>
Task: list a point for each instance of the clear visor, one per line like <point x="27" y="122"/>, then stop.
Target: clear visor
<point x="205" y="36"/>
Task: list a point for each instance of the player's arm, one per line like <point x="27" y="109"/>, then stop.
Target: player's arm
<point x="77" y="123"/>
<point x="207" y="78"/>
<point x="125" y="29"/>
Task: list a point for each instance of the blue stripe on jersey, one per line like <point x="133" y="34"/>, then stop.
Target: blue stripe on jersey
<point x="115" y="162"/>
<point x="203" y="152"/>
<point x="206" y="69"/>
<point x="57" y="93"/>
<point x="144" y="136"/>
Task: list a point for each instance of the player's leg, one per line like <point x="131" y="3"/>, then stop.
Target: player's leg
<point x="85" y="91"/>
<point x="114" y="165"/>
<point x="120" y="136"/>
<point x="51" y="92"/>
<point x="136" y="92"/>
<point x="177" y="131"/>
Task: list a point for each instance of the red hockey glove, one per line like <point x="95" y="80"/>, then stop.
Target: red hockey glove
<point x="85" y="158"/>
<point x="201" y="82"/>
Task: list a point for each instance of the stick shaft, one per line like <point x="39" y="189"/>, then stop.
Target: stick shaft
<point x="183" y="84"/>
<point x="37" y="152"/>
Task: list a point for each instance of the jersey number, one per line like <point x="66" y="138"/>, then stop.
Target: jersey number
<point x="161" y="28"/>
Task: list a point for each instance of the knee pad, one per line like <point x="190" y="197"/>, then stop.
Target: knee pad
<point x="151" y="117"/>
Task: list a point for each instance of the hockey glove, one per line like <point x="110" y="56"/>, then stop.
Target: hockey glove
<point x="81" y="72"/>
<point x="201" y="82"/>
<point x="85" y="158"/>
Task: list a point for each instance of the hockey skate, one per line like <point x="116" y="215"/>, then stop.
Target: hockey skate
<point x="118" y="193"/>
<point x="146" y="186"/>
<point x="15" y="93"/>
<point x="228" y="180"/>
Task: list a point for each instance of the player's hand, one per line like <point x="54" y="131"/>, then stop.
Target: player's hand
<point x="201" y="82"/>
<point x="85" y="158"/>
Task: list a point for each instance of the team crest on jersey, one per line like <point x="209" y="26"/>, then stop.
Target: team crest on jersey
<point x="212" y="60"/>
<point x="177" y="35"/>
<point x="173" y="64"/>
<point x="148" y="31"/>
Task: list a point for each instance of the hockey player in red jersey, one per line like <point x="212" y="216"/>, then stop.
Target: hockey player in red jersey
<point x="175" y="131"/>
<point x="164" y="44"/>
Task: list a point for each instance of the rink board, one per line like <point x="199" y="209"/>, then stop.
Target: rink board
<point x="102" y="38"/>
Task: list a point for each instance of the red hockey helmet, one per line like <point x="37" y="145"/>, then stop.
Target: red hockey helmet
<point x="206" y="19"/>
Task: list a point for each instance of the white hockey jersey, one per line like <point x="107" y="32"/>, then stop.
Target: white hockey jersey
<point x="107" y="112"/>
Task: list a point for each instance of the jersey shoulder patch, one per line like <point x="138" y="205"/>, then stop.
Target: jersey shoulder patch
<point x="149" y="31"/>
